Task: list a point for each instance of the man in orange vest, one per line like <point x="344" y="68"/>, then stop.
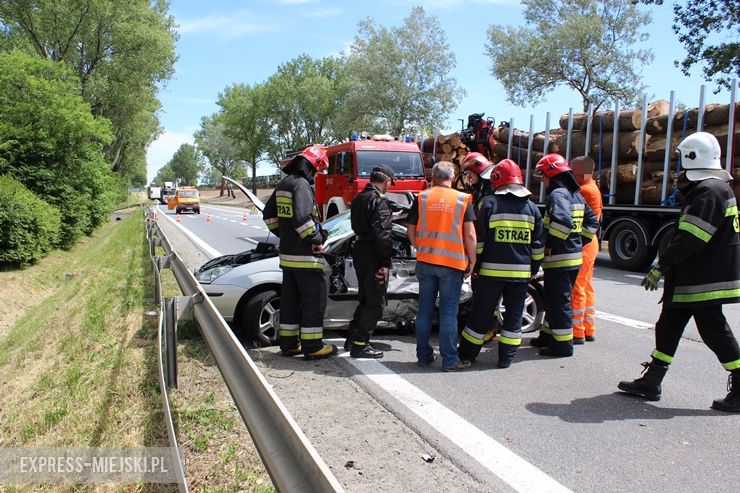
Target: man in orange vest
<point x="442" y="228"/>
<point x="583" y="299"/>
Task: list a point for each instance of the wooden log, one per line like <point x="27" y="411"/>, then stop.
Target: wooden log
<point x="626" y="147"/>
<point x="446" y="148"/>
<point x="631" y="119"/>
<point x="454" y="140"/>
<point x="655" y="148"/>
<point x="628" y="119"/>
<point x="714" y="115"/>
<point x="441" y="139"/>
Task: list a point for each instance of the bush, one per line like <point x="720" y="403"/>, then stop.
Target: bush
<point x="29" y="227"/>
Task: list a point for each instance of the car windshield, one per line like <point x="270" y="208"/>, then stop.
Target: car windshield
<point x="404" y="164"/>
<point x="189" y="193"/>
<point x="338" y="225"/>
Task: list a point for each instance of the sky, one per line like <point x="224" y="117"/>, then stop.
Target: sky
<point x="223" y="42"/>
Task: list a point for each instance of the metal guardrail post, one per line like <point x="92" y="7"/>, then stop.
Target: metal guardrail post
<point x="545" y="147"/>
<point x="170" y="340"/>
<point x="569" y="134"/>
<point x="511" y="138"/>
<point x="700" y="117"/>
<point x="589" y="131"/>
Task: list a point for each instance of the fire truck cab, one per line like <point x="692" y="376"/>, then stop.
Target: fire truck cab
<point x="350" y="164"/>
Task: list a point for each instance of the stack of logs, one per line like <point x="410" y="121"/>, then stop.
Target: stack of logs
<point x="443" y="148"/>
<point x="684" y="123"/>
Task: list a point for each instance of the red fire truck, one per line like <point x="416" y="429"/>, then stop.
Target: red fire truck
<point x="350" y="164"/>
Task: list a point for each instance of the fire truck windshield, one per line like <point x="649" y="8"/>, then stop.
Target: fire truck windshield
<point x="404" y="164"/>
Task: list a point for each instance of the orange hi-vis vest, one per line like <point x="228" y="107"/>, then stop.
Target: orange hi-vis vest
<point x="439" y="230"/>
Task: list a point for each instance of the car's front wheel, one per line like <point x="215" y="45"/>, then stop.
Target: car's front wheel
<point x="534" y="311"/>
<point x="261" y="318"/>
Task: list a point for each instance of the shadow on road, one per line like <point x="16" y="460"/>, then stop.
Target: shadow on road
<point x="612" y="407"/>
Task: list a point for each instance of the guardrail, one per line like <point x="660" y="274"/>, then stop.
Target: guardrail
<point x="291" y="461"/>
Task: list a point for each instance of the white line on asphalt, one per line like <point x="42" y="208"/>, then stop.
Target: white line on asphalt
<point x="638" y="324"/>
<point x="507" y="465"/>
<point x="232" y="220"/>
<point x="200" y="243"/>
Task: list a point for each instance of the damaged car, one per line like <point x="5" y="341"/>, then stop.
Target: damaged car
<point x="245" y="287"/>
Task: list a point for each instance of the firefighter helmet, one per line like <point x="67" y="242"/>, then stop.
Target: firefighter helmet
<point x="551" y="165"/>
<point x="700" y="157"/>
<point x="316" y="156"/>
<point x="506" y="172"/>
<point x="477" y="163"/>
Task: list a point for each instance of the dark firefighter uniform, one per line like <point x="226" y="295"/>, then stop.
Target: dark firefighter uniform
<point x="290" y="213"/>
<point x="569" y="223"/>
<point x="510" y="248"/>
<point x="702" y="272"/>
<point x="371" y="221"/>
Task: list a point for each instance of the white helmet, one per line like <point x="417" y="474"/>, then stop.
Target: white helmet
<point x="700" y="154"/>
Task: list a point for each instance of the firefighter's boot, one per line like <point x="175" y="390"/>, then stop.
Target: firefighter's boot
<point x="648" y="385"/>
<point x="324" y="352"/>
<point x="731" y="403"/>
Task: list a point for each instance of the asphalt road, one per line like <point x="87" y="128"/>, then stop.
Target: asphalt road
<point x="552" y="424"/>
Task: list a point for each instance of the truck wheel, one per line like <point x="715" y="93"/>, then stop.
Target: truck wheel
<point x="261" y="317"/>
<point x="628" y="248"/>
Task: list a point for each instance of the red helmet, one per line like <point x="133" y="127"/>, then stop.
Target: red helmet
<point x="316" y="156"/>
<point x="551" y="165"/>
<point x="506" y="172"/>
<point x="476" y="163"/>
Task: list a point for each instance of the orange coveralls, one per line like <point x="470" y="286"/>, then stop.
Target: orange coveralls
<point x="582" y="298"/>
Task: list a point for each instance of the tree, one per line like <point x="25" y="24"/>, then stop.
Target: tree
<point x="120" y="51"/>
<point x="52" y="144"/>
<point x="246" y="116"/>
<point x="164" y="174"/>
<point x="305" y="97"/>
<point x="400" y="77"/>
<point x="586" y="45"/>
<point x="186" y="164"/>
<point x="706" y="28"/>
<point x="222" y="152"/>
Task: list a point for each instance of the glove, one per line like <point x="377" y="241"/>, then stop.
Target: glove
<point x="651" y="279"/>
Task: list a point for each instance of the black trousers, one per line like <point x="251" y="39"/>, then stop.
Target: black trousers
<point x="558" y="328"/>
<point x="713" y="329"/>
<point x="302" y="307"/>
<point x="371" y="294"/>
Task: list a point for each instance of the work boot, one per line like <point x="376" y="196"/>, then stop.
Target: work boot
<point x="538" y="341"/>
<point x="731" y="403"/>
<point x="326" y="351"/>
<point x="292" y="351"/>
<point x="366" y="351"/>
<point x="647" y="386"/>
<point x="566" y="352"/>
<point x="579" y="341"/>
<point x="348" y="343"/>
<point x="590" y="338"/>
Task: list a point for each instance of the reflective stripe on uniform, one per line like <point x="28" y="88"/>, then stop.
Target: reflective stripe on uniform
<point x="556" y="229"/>
<point x="662" y="357"/>
<point x="517" y="271"/>
<point x="312" y="332"/>
<point x="440" y="251"/>
<point x="288" y="330"/>
<point x="707" y="292"/>
<point x="479" y="247"/>
<point x="510" y="338"/>
<point x="730" y="207"/>
<point x="562" y="335"/>
<point x="562" y="260"/>
<point x="732" y="365"/>
<point x="697" y="227"/>
<point x="306" y="229"/>
<point x="301" y="261"/>
<point x="271" y="223"/>
<point x="538" y="253"/>
<point x="473" y="337"/>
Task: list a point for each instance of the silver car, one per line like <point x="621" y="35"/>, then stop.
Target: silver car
<point x="245" y="287"/>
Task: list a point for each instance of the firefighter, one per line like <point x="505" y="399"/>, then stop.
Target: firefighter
<point x="701" y="266"/>
<point x="510" y="248"/>
<point x="477" y="174"/>
<point x="569" y="223"/>
<point x="583" y="297"/>
<point x="290" y="213"/>
<point x="442" y="228"/>
<point x="371" y="254"/>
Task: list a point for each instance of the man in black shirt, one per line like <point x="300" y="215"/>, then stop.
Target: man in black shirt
<point x="372" y="252"/>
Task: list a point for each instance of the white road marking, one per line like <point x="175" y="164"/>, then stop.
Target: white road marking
<point x="638" y="324"/>
<point x="200" y="243"/>
<point x="497" y="458"/>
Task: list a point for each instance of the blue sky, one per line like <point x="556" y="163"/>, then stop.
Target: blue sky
<point x="223" y="42"/>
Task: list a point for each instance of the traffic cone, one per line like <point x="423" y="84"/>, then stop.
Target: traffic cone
<point x="245" y="217"/>
<point x="177" y="218"/>
<point x="208" y="217"/>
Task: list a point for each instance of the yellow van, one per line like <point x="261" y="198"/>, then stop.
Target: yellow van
<point x="185" y="199"/>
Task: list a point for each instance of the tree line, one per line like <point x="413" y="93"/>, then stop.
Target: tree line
<point x="78" y="109"/>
